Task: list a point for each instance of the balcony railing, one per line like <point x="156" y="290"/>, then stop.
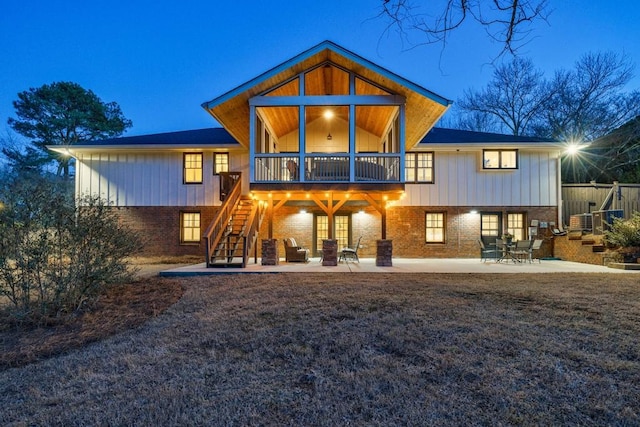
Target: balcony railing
<point x="370" y="167"/>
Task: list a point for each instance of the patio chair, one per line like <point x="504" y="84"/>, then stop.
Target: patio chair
<point x="350" y="253"/>
<point x="484" y="252"/>
<point x="537" y="244"/>
<point x="293" y="169"/>
<point x="521" y="252"/>
<point x="502" y="249"/>
<point x="293" y="252"/>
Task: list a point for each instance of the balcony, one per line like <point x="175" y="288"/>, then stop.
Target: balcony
<point x="370" y="168"/>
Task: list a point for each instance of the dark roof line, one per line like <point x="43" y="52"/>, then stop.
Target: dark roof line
<point x="207" y="136"/>
<point x="219" y="136"/>
<point x="452" y="136"/>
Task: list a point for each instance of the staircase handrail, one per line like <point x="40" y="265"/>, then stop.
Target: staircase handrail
<point x="255" y="219"/>
<point x="221" y="219"/>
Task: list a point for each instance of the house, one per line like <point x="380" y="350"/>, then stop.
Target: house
<point x="326" y="145"/>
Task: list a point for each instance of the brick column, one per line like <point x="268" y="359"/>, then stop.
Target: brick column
<point x="384" y="253"/>
<point x="270" y="252"/>
<point x="329" y="252"/>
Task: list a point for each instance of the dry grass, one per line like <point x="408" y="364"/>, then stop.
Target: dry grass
<point x="122" y="308"/>
<point x="396" y="349"/>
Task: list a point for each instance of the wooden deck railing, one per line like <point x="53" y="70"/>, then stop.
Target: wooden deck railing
<point x="371" y="167"/>
<point x="216" y="229"/>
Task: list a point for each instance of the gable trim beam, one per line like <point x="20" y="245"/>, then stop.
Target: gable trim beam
<point x="275" y="101"/>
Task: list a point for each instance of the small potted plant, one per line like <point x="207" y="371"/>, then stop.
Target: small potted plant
<point x="508" y="238"/>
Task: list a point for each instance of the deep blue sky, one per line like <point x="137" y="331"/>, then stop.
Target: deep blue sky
<point x="159" y="60"/>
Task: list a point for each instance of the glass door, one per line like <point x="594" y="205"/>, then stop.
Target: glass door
<point x="490" y="228"/>
<point x="341" y="230"/>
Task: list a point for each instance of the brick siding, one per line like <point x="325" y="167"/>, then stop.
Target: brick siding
<point x="406" y="228"/>
<point x="575" y="250"/>
<point x="160" y="228"/>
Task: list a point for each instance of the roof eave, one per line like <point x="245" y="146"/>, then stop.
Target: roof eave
<point x="489" y="145"/>
<point x="70" y="149"/>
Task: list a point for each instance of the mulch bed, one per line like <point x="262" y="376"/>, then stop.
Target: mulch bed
<point x="121" y="308"/>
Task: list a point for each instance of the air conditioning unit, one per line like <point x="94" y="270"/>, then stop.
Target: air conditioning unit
<point x="602" y="220"/>
<point x="581" y="222"/>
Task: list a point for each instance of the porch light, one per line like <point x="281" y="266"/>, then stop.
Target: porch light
<point x="473" y="212"/>
<point x="303" y="211"/>
<point x="328" y="114"/>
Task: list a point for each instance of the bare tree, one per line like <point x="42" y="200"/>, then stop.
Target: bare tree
<point x="613" y="157"/>
<point x="513" y="100"/>
<point x="589" y="101"/>
<point x="509" y="22"/>
<point x="587" y="105"/>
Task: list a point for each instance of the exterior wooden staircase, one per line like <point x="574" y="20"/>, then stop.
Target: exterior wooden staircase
<point x="234" y="230"/>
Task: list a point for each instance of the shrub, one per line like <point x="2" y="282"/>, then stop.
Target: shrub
<point x="57" y="255"/>
<point x="624" y="233"/>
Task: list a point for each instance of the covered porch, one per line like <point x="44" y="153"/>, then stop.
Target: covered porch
<point x="343" y="213"/>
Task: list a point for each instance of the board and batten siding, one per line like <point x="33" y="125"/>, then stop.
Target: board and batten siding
<point x="459" y="180"/>
<point x="150" y="179"/>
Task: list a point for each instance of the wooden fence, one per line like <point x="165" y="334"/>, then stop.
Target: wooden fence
<point x="587" y="198"/>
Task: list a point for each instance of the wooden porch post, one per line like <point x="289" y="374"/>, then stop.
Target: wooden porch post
<point x="270" y="216"/>
<point x="383" y="221"/>
<point x="330" y="216"/>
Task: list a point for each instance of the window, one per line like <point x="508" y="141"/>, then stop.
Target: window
<point x="193" y="168"/>
<point x="490" y="225"/>
<point x="515" y="225"/>
<point x="500" y="159"/>
<point x="418" y="167"/>
<point x="434" y="222"/>
<point x="190" y="227"/>
<point x="220" y="163"/>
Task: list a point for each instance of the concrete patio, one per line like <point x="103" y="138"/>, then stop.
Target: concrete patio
<point x="402" y="265"/>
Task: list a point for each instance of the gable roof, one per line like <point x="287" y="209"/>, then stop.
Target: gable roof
<point x="423" y="107"/>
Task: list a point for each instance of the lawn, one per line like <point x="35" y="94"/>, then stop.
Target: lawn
<point x="328" y="349"/>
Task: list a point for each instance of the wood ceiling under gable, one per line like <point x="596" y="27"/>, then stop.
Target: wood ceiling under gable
<point x="232" y="110"/>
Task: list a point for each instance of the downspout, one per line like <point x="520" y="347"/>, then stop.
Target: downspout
<point x="559" y="190"/>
